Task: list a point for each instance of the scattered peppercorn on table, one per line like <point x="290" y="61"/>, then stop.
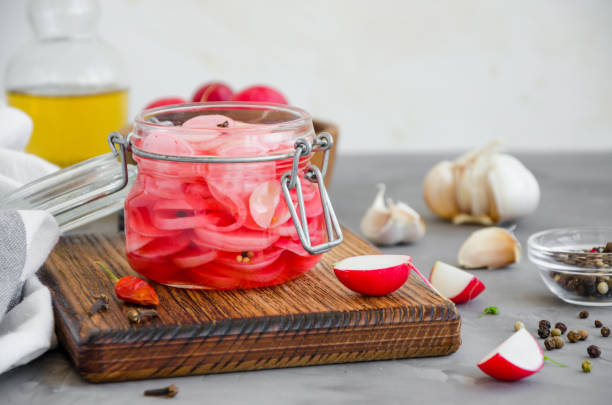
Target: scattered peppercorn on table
<point x="576" y="190"/>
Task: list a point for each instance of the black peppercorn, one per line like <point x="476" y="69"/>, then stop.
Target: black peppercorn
<point x="549" y="344"/>
<point x="573" y="336"/>
<point x="583" y="314"/>
<point x="544" y="324"/>
<point x="543" y="333"/>
<point x="593" y="351"/>
<point x="561" y="326"/>
<point x="598" y="323"/>
<point x="605" y="331"/>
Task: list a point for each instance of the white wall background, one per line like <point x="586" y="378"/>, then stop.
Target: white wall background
<point x="395" y="75"/>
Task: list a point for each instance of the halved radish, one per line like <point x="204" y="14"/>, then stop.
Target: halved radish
<point x="373" y="274"/>
<point x="517" y="357"/>
<point x="237" y="241"/>
<point x="193" y="257"/>
<point x="455" y="284"/>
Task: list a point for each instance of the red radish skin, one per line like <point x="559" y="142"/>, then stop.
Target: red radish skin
<point x="260" y="94"/>
<point x="160" y="102"/>
<point x="213" y="91"/>
<point x="457" y="285"/>
<point x="501" y="366"/>
<point x="473" y="289"/>
<point x="375" y="275"/>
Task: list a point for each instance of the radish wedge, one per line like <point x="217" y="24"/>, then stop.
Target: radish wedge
<point x="455" y="284"/>
<point x="375" y="274"/>
<point x="517" y="357"/>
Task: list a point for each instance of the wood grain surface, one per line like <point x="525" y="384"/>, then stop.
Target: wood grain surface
<point x="311" y="320"/>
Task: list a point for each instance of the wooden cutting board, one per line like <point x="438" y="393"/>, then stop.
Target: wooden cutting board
<point x="311" y="320"/>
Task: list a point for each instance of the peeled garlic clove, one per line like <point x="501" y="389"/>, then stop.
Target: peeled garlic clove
<point x="439" y="190"/>
<point x="490" y="247"/>
<point x="514" y="188"/>
<point x="386" y="223"/>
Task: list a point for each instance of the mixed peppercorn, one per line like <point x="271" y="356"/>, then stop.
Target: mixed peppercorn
<point x="553" y="336"/>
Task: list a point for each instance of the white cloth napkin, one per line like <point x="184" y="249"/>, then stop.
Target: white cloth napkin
<point x="26" y="239"/>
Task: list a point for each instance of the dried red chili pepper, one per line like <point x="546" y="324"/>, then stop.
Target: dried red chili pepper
<point x="132" y="289"/>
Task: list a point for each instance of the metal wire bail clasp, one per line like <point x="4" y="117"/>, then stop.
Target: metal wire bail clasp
<point x="289" y="180"/>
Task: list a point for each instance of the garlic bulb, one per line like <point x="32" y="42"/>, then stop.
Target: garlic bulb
<point x="387" y="223"/>
<point x="489" y="247"/>
<point x="482" y="186"/>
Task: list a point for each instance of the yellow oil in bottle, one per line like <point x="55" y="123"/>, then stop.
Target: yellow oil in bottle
<point x="71" y="128"/>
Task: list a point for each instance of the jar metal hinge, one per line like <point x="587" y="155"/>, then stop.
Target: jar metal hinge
<point x="290" y="180"/>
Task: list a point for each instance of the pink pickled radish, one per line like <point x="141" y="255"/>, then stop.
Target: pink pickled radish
<point x="258" y="260"/>
<point x="263" y="203"/>
<point x="165" y="143"/>
<point x="212" y="121"/>
<point x="193" y="257"/>
<point x="164" y="246"/>
<point x="237" y="241"/>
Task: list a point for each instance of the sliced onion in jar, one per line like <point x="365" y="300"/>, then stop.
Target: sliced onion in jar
<point x="257" y="260"/>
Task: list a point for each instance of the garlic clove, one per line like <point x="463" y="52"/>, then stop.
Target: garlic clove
<point x="387" y="223"/>
<point x="514" y="188"/>
<point x="439" y="190"/>
<point x="409" y="221"/>
<point x="471" y="219"/>
<point x="490" y="247"/>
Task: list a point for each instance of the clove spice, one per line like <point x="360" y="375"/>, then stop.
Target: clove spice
<point x="168" y="392"/>
<point x="137" y="316"/>
<point x="100" y="304"/>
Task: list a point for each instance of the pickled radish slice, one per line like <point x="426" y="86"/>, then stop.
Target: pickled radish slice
<point x="135" y="241"/>
<point x="193" y="257"/>
<point x="178" y="219"/>
<point x="139" y="221"/>
<point x="212" y="121"/>
<point x="301" y="263"/>
<point x="164" y="246"/>
<point x="205" y="276"/>
<point x="165" y="188"/>
<point x="254" y="261"/>
<point x="263" y="203"/>
<point x="165" y="143"/>
<point x="238" y="241"/>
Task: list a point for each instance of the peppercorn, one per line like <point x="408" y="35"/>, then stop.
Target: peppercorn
<point x="583" y="334"/>
<point x="544" y="324"/>
<point x="543" y="333"/>
<point x="518" y="325"/>
<point x="561" y="326"/>
<point x="559" y="343"/>
<point x="593" y="351"/>
<point x="587" y="366"/>
<point x="555" y="332"/>
<point x="598" y="323"/>
<point x="549" y="344"/>
<point x="583" y="314"/>
<point x="573" y="336"/>
<point x="605" y="331"/>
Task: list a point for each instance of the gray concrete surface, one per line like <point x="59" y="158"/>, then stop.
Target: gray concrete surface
<point x="576" y="190"/>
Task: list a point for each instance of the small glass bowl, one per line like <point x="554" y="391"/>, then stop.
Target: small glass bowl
<point x="569" y="268"/>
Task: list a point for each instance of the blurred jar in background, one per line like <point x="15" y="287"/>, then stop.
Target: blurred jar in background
<point x="69" y="81"/>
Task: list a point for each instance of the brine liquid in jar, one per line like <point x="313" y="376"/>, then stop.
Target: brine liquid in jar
<point x="69" y="128"/>
<point x="218" y="225"/>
